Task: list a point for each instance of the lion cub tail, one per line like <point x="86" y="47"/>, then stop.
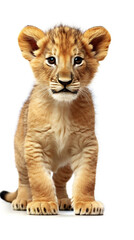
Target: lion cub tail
<point x="7" y="196"/>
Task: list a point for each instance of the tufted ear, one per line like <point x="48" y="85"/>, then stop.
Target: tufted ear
<point x="29" y="41"/>
<point x="98" y="40"/>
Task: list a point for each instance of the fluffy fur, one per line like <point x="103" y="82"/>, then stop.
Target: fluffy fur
<point x="56" y="129"/>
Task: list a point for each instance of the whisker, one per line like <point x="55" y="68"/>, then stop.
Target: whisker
<point x="76" y="83"/>
<point x="53" y="83"/>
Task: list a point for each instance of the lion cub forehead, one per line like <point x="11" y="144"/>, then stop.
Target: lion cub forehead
<point x="64" y="37"/>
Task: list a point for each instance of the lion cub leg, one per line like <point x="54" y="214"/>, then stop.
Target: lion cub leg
<point x="23" y="197"/>
<point x="60" y="179"/>
<point x="24" y="192"/>
<point x="44" y="200"/>
<point x="84" y="183"/>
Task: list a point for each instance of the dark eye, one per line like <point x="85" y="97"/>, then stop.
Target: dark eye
<point x="51" y="60"/>
<point x="78" y="60"/>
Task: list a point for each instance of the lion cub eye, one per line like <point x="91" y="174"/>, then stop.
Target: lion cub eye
<point x="51" y="61"/>
<point x="78" y="60"/>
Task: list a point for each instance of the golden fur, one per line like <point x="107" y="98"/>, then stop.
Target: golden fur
<point x="56" y="131"/>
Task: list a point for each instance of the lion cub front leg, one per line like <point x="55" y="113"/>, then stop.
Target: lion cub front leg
<point x="44" y="199"/>
<point x="84" y="183"/>
<point x="60" y="178"/>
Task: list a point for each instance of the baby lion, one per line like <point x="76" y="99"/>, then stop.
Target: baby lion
<point x="56" y="131"/>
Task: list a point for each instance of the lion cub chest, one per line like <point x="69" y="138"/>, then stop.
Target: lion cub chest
<point x="60" y="124"/>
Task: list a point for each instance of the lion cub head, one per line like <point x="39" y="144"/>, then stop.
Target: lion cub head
<point x="64" y="60"/>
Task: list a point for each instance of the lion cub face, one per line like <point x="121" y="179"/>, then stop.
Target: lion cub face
<point x="63" y="59"/>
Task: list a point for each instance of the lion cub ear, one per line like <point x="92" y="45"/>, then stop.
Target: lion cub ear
<point x="98" y="40"/>
<point x="29" y="41"/>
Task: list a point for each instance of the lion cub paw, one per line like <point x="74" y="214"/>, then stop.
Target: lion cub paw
<point x="65" y="204"/>
<point x="89" y="208"/>
<point x="19" y="204"/>
<point x="42" y="208"/>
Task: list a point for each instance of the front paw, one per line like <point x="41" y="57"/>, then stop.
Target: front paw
<point x="42" y="208"/>
<point x="89" y="208"/>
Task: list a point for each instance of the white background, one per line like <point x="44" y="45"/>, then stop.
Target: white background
<point x="113" y="91"/>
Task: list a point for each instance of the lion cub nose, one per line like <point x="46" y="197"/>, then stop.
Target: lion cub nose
<point x="65" y="83"/>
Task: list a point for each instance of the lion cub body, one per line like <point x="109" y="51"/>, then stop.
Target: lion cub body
<point x="56" y="131"/>
<point x="59" y="127"/>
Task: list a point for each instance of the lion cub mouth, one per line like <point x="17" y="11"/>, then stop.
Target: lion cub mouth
<point x="64" y="90"/>
<point x="64" y="95"/>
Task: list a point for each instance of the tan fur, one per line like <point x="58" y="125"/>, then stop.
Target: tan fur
<point x="56" y="130"/>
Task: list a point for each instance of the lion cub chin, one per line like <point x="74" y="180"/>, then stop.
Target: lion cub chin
<point x="64" y="97"/>
<point x="56" y="128"/>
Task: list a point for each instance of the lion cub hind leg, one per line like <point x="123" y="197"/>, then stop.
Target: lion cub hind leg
<point x="22" y="199"/>
<point x="65" y="204"/>
<point x="60" y="179"/>
<point x="24" y="192"/>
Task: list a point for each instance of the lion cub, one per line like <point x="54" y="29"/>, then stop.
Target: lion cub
<point x="55" y="131"/>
